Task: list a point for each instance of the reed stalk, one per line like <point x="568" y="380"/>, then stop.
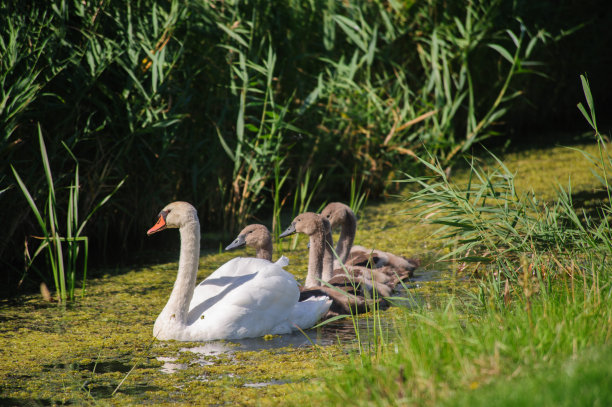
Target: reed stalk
<point x="63" y="265"/>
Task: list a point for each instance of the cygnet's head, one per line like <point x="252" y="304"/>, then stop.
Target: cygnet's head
<point x="255" y="236"/>
<point x="336" y="212"/>
<point x="174" y="215"/>
<point x="308" y="223"/>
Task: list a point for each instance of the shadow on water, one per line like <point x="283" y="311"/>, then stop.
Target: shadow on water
<point x="88" y="383"/>
<point x="106" y="391"/>
<point x="98" y="367"/>
<point x="16" y="401"/>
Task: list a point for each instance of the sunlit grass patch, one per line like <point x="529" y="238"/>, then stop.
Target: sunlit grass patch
<point x="544" y="302"/>
<point x="583" y="380"/>
<point x="443" y="354"/>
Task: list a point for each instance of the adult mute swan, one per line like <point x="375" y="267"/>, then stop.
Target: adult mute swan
<point x="244" y="298"/>
<point x="339" y="214"/>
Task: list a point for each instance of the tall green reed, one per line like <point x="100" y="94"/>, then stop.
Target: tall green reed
<point x="486" y="221"/>
<point x="378" y="111"/>
<point x="278" y="202"/>
<point x="18" y="90"/>
<point x="302" y="198"/>
<point x="358" y="195"/>
<point x="63" y="266"/>
<point x="260" y="127"/>
<point x="117" y="116"/>
<point x="371" y="333"/>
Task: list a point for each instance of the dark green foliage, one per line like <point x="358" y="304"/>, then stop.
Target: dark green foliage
<point x="579" y="32"/>
<point x="97" y="79"/>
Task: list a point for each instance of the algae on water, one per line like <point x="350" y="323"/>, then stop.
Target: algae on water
<point x="81" y="353"/>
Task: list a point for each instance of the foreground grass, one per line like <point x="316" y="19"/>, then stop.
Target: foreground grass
<point x="584" y="380"/>
<point x="548" y="349"/>
<point x="540" y="338"/>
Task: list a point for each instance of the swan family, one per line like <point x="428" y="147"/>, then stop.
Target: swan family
<point x="251" y="297"/>
<point x="244" y="298"/>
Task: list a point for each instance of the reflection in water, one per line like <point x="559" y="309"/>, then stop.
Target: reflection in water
<point x="341" y="331"/>
<point x="170" y="367"/>
<point x="97" y="366"/>
<point x="335" y="332"/>
<point x="428" y="275"/>
<point x="264" y="384"/>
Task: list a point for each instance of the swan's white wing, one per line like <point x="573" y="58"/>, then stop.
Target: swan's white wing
<point x="245" y="297"/>
<point x="227" y="277"/>
<point x="306" y="313"/>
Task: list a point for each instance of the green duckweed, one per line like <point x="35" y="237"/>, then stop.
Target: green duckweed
<point x="100" y="350"/>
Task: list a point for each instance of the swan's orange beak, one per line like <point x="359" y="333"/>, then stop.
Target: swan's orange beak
<point x="159" y="225"/>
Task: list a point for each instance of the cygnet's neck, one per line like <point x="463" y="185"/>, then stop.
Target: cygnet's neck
<point x="347" y="236"/>
<point x="180" y="298"/>
<point x="328" y="257"/>
<point x="265" y="251"/>
<point x="320" y="258"/>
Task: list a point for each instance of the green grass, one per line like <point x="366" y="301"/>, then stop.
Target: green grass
<point x="63" y="266"/>
<point x="533" y="331"/>
<point x="440" y="356"/>
<point x="584" y="380"/>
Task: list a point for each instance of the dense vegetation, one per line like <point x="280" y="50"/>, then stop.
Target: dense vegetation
<point x="537" y="331"/>
<point x="226" y="104"/>
<point x="109" y="110"/>
<point x="542" y="339"/>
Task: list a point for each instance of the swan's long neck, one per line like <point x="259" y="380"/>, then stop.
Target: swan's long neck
<point x="347" y="236"/>
<point x="180" y="298"/>
<point x="265" y="251"/>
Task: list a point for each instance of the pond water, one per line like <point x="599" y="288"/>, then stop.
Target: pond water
<point x="100" y="350"/>
<point x="337" y="332"/>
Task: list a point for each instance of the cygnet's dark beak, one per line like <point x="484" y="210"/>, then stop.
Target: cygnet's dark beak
<point x="289" y="231"/>
<point x="239" y="242"/>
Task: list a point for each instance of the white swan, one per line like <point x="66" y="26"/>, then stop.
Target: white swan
<point x="244" y="298"/>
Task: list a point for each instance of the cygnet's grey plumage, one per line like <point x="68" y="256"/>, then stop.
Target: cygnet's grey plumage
<point x="348" y="292"/>
<point x="390" y="264"/>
